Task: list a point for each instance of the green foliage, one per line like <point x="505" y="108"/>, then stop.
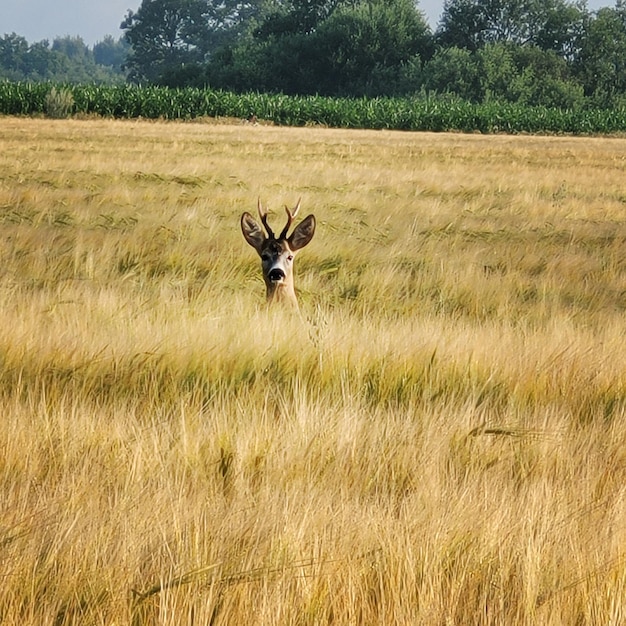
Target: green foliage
<point x="111" y="53"/>
<point x="23" y="98"/>
<point x="538" y="53"/>
<point x="522" y="51"/>
<point x="423" y="114"/>
<point x="68" y="60"/>
<point x="364" y="46"/>
<point x="543" y="78"/>
<point x="163" y="34"/>
<point x="167" y="36"/>
<point x="602" y="61"/>
<point x="453" y="70"/>
<point x="328" y="48"/>
<point x="549" y="24"/>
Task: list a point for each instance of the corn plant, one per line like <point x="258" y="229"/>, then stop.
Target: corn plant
<point x="411" y="114"/>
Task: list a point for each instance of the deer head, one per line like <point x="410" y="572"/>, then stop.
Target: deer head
<point x="277" y="253"/>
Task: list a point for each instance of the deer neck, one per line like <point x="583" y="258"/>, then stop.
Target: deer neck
<point x="282" y="292"/>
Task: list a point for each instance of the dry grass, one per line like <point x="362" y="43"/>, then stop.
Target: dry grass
<point x="440" y="441"/>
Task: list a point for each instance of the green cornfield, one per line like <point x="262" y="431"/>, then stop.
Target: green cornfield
<point x="410" y="114"/>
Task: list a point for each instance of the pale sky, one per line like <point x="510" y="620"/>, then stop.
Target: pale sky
<point x="93" y="19"/>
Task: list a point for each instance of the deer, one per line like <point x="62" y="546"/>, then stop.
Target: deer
<point x="278" y="253"/>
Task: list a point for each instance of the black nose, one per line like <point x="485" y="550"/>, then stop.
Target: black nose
<point x="276" y="275"/>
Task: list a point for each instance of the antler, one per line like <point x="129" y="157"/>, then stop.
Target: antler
<point x="263" y="216"/>
<point x="290" y="216"/>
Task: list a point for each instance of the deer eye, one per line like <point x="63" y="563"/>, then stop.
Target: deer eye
<point x="290" y="257"/>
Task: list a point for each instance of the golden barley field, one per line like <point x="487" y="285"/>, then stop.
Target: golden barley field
<point x="439" y="439"/>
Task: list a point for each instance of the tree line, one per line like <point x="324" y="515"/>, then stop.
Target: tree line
<point x="65" y="60"/>
<point x="554" y="53"/>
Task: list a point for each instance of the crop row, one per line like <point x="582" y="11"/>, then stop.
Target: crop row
<point x="425" y="114"/>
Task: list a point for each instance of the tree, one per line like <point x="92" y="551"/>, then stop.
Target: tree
<point x="544" y="78"/>
<point x="548" y="24"/>
<point x="111" y="53"/>
<point x="169" y="37"/>
<point x="453" y="71"/>
<point x="561" y="27"/>
<point x="296" y="17"/>
<point x="163" y="35"/>
<point x="601" y="64"/>
<point x="332" y="47"/>
<point x="361" y="49"/>
<point x="72" y="47"/>
<point x="496" y="71"/>
<point x="463" y="25"/>
<point x="67" y="60"/>
<point x="13" y="54"/>
<point x="43" y="63"/>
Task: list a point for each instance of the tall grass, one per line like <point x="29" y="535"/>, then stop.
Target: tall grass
<point x="440" y="439"/>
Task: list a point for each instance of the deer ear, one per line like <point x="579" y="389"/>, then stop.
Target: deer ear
<point x="302" y="234"/>
<point x="252" y="231"/>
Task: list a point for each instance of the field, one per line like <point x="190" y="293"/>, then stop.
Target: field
<point x="432" y="113"/>
<point x="439" y="439"/>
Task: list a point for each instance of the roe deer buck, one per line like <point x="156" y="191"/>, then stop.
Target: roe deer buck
<point x="277" y="253"/>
